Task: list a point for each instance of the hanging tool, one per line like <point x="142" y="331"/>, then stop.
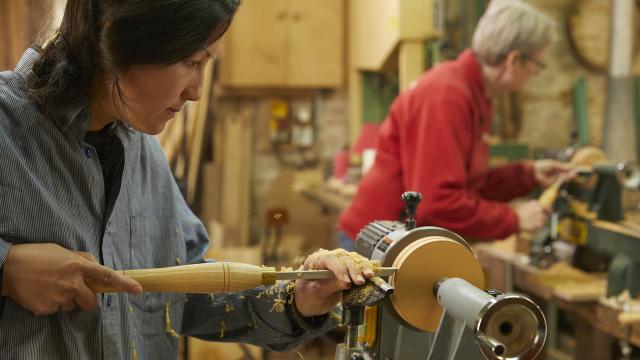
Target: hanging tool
<point x="217" y="277"/>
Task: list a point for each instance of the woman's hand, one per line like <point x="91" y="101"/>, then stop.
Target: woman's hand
<point x="47" y="278"/>
<point x="317" y="297"/>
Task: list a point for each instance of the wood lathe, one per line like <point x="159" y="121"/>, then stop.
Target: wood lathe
<point x="439" y="308"/>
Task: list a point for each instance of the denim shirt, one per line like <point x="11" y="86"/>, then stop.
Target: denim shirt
<point x="52" y="191"/>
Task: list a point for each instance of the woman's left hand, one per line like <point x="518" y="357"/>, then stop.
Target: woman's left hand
<point x="318" y="297"/>
<point x="547" y="171"/>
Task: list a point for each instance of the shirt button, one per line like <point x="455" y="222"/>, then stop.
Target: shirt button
<point x="108" y="300"/>
<point x="87" y="151"/>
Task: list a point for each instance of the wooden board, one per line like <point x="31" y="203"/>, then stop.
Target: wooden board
<point x="237" y="168"/>
<point x="211" y="192"/>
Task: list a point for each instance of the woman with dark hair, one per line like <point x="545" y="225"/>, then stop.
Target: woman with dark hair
<point x="84" y="189"/>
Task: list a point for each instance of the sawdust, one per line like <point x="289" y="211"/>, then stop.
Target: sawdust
<point x="342" y="255"/>
<point x="228" y="308"/>
<point x="280" y="298"/>
<point x="363" y="293"/>
<point x="167" y="321"/>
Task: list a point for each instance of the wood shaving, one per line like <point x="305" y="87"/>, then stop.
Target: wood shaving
<point x="228" y="308"/>
<point x="167" y="321"/>
<point x="278" y="305"/>
<point x="335" y="316"/>
<point x="279" y="301"/>
<point x="223" y="327"/>
<point x="134" y="351"/>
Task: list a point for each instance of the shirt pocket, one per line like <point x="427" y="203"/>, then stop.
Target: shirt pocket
<point x="157" y="322"/>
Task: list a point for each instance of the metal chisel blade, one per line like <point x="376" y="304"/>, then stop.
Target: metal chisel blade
<point x="323" y="274"/>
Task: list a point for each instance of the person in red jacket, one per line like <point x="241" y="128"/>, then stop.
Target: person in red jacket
<point x="434" y="139"/>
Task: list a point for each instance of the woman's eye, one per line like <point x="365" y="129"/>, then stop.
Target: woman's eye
<point x="194" y="65"/>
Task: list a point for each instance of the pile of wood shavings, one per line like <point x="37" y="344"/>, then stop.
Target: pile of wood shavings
<point x="358" y="259"/>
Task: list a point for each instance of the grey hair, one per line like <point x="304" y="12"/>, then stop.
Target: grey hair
<point x="509" y="25"/>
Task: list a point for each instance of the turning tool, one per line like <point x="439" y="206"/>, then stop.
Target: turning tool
<point x="217" y="277"/>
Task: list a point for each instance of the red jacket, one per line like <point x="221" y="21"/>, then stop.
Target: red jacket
<point x="434" y="141"/>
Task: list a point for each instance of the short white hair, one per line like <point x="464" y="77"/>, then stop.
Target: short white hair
<point x="509" y="25"/>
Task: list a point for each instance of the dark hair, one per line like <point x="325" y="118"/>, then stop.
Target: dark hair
<point x="106" y="37"/>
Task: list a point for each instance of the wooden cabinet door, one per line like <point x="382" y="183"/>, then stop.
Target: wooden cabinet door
<point x="315" y="43"/>
<point x="254" y="47"/>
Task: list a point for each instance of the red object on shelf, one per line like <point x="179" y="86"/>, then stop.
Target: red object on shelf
<point x="367" y="139"/>
<point x="340" y="164"/>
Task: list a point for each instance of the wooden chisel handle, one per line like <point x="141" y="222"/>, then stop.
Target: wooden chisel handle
<point x="216" y="277"/>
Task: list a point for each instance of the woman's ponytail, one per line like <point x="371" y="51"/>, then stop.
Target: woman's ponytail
<point x="66" y="65"/>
